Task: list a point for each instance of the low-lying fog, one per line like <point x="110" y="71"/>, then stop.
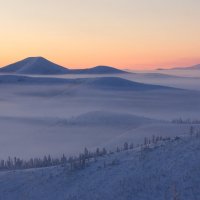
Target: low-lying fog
<point x="41" y="119"/>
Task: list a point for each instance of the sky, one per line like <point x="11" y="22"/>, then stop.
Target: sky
<point x="128" y="34"/>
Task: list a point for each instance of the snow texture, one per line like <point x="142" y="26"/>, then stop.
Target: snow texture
<point x="164" y="171"/>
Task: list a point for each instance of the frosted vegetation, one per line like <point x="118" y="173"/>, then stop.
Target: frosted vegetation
<point x="160" y="168"/>
<point x="80" y="135"/>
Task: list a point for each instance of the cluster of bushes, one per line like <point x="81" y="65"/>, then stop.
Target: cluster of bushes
<point x="47" y="161"/>
<point x="81" y="161"/>
<point x="72" y="162"/>
<point x="185" y="121"/>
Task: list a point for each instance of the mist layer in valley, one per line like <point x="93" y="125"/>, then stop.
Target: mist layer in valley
<point x="64" y="113"/>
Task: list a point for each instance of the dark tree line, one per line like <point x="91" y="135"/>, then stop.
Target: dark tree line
<point x="186" y="121"/>
<point x="81" y="161"/>
<point x="17" y="163"/>
<point x="73" y="162"/>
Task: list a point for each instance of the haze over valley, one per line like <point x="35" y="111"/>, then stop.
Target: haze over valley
<point x="47" y="109"/>
<point x="64" y="113"/>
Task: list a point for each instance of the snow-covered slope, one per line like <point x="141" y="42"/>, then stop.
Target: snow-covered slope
<point x="111" y="83"/>
<point x="162" y="128"/>
<point x="42" y="66"/>
<point x="34" y="65"/>
<point x="24" y="80"/>
<point x="119" y="83"/>
<point x="98" y="70"/>
<point x="170" y="170"/>
<point x="105" y="118"/>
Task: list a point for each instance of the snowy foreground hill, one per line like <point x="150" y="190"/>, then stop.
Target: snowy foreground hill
<point x="163" y="171"/>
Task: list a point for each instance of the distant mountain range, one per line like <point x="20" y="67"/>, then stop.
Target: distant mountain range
<point x="194" y="67"/>
<point x="42" y="66"/>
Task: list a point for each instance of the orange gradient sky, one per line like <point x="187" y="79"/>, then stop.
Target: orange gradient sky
<point x="133" y="34"/>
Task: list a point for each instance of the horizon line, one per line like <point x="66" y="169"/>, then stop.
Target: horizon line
<point x="136" y="67"/>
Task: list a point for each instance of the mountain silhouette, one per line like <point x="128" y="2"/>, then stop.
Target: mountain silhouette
<point x="40" y="65"/>
<point x="34" y="65"/>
